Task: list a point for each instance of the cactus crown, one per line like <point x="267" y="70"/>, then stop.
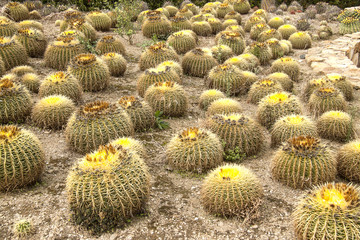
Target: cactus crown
<point x="110" y="55"/>
<point x="260" y="25"/>
<point x="160" y="46"/>
<point x="225" y="67"/>
<point x="95" y="13"/>
<point x="6" y="83"/>
<point x="295" y="119"/>
<point x="154" y="18"/>
<point x="177" y="19"/>
<point x="300" y="34"/>
<point x="234" y="27"/>
<point x="228" y="173"/>
<point x="337" y="196"/>
<point x="164" y="85"/>
<point x="73" y="15"/>
<point x="270" y="31"/>
<point x="58" y="77"/>
<point x="266" y="83"/>
<point x="223" y="5"/>
<point x="8" y="132"/>
<point x="319" y="82"/>
<point x="255" y="19"/>
<point x="4" y="41"/>
<point x="212" y="92"/>
<point x="95" y="108"/>
<point x="200" y="23"/>
<point x="349" y="20"/>
<point x="287" y="59"/>
<point x="4" y="21"/>
<point x="168" y="63"/>
<point x="13" y="4"/>
<point x="302" y="146"/>
<point x="27" y="32"/>
<point x="107" y="39"/>
<point x="337" y="114"/>
<point x="183" y="10"/>
<point x="258" y="45"/>
<point x="69" y="33"/>
<point x="230" y="119"/>
<point x="129" y="101"/>
<point x="158" y="71"/>
<point x="277" y="18"/>
<point x="326" y="92"/>
<point x="53" y="100"/>
<point x="66" y="41"/>
<point x="102" y="159"/>
<point x="231" y="35"/>
<point x="278" y="97"/>
<point x="178" y="34"/>
<point x="259" y="12"/>
<point x="201" y="51"/>
<point x="286" y="26"/>
<point x="191" y="134"/>
<point x="77" y="22"/>
<point x="335" y="77"/>
<point x="84" y="59"/>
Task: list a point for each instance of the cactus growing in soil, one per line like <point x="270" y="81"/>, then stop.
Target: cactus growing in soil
<point x="115" y="62"/>
<point x="33" y="40"/>
<point x="287" y="65"/>
<point x="7" y="27"/>
<point x="184" y="12"/>
<point x="156" y="54"/>
<point x="252" y="21"/>
<point x="192" y="7"/>
<point x="287" y="30"/>
<point x="172" y="10"/>
<point x="23" y="229"/>
<point x="83" y="26"/>
<point x="91" y="71"/>
<point x="242" y="6"/>
<point x="96" y="209"/>
<point x="140" y="112"/>
<point x="238" y="62"/>
<point x="261" y="50"/>
<point x="226" y="78"/>
<point x="197" y="18"/>
<point x="257" y="29"/>
<point x="276" y="49"/>
<point x="179" y="23"/>
<point x="348" y="158"/>
<point x="253" y="61"/>
<point x="268" y="34"/>
<point x="61" y="83"/>
<point x="72" y="33"/>
<point x="343" y="85"/>
<point x="52" y="112"/>
<point x="349" y="25"/>
<point x="313" y="84"/>
<point x="15" y="101"/>
<point x="34" y="15"/>
<point x="31" y="24"/>
<point x="173" y="65"/>
<point x="262" y="88"/>
<point x="234" y="15"/>
<point x="22" y="160"/>
<point x="282" y="78"/>
<point x="154" y="75"/>
<point x="261" y="13"/>
<point x="286" y="45"/>
<point x="276" y="22"/>
<point x="100" y="21"/>
<point x="31" y="81"/>
<point x="19" y="71"/>
<point x="59" y="53"/>
<point x="224" y="106"/>
<point x="328" y="211"/>
<point x="209" y="96"/>
<point x="234" y="40"/>
<point x="16" y="11"/>
<point x="95" y="124"/>
<point x="303" y="162"/>
<point x="12" y="52"/>
<point x="167" y="97"/>
<point x="326" y="99"/>
<point x="131" y="144"/>
<point x="108" y="44"/>
<point x="194" y="149"/>
<point x="276" y="105"/>
<point x="300" y="40"/>
<point x="198" y="62"/>
<point x="202" y="28"/>
<point x="292" y="126"/>
<point x="240" y="133"/>
<point x="229" y="22"/>
<point x="231" y="190"/>
<point x="156" y="25"/>
<point x="337" y="126"/>
<point x="302" y="24"/>
<point x="222" y="52"/>
<point x="181" y="42"/>
<point x="223" y="9"/>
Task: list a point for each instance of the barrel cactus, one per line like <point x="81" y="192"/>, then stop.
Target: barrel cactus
<point x="348" y="158"/>
<point x="209" y="96"/>
<point x="222" y="52"/>
<point x="156" y="54"/>
<point x="7" y="27"/>
<point x="100" y="21"/>
<point x="287" y="65"/>
<point x="224" y="106"/>
<point x="234" y="40"/>
<point x="242" y="6"/>
<point x="179" y="23"/>
<point x="131" y="145"/>
<point x="349" y="25"/>
<point x="276" y="22"/>
<point x="12" y="53"/>
<point x="314" y="84"/>
<point x="344" y="85"/>
<point x="282" y="78"/>
<point x="287" y="30"/>
<point x="277" y="51"/>
<point x="252" y="21"/>
<point x="31" y="81"/>
<point x="215" y="24"/>
<point x="262" y="88"/>
<point x="300" y="40"/>
<point x="326" y="99"/>
<point x="108" y="44"/>
<point x="16" y="11"/>
<point x="223" y="9"/>
<point x="198" y="62"/>
<point x="173" y="65"/>
<point x="115" y="62"/>
<point x="31" y="24"/>
<point x="268" y="34"/>
<point x="202" y="28"/>
<point x="181" y="42"/>
<point x="33" y="40"/>
<point x="83" y="26"/>
<point x="261" y="50"/>
<point x="337" y="126"/>
<point x="156" y="25"/>
<point x="257" y="29"/>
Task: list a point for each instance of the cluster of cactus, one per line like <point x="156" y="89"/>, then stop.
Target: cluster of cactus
<point x="180" y="23"/>
<point x="70" y="16"/>
<point x="100" y="21"/>
<point x="303" y="162"/>
<point x="156" y="54"/>
<point x="302" y="24"/>
<point x="31" y="24"/>
<point x="277" y="50"/>
<point x="314" y="84"/>
<point x="231" y="190"/>
<point x="325" y="99"/>
<point x="172" y="65"/>
<point x="115" y="62"/>
<point x="83" y="26"/>
<point x="277" y="105"/>
<point x="95" y="124"/>
<point x="33" y="40"/>
<point x="348" y="158"/>
<point x="300" y="40"/>
<point x="181" y="42"/>
<point x="7" y="27"/>
<point x="52" y="111"/>
<point x="257" y="29"/>
<point x="252" y="21"/>
<point x="16" y="11"/>
<point x="268" y="34"/>
<point x="194" y="149"/>
<point x="61" y="83"/>
<point x="91" y="71"/>
<point x="262" y="88"/>
<point x="12" y="53"/>
<point x="344" y="85"/>
<point x="108" y="44"/>
<point x="156" y="25"/>
<point x="291" y="126"/>
<point x="140" y="112"/>
<point x="328" y="211"/>
<point x="198" y="62"/>
<point x="324" y="32"/>
<point x="287" y="65"/>
<point x="234" y="40"/>
<point x="336" y="125"/>
<point x="209" y="96"/>
<point x="224" y="106"/>
<point x="261" y="50"/>
<point x="222" y="52"/>
<point x="236" y="28"/>
<point x="131" y="144"/>
<point x="287" y="30"/>
<point x="96" y="209"/>
<point x="167" y="97"/>
<point x="22" y="160"/>
<point x="242" y="6"/>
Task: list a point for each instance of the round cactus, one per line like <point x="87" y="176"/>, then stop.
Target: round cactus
<point x="108" y="44"/>
<point x="181" y="42"/>
<point x="202" y="28"/>
<point x="172" y="10"/>
<point x="261" y="13"/>
<point x="336" y="125"/>
<point x="314" y="84"/>
<point x="300" y="40"/>
<point x="96" y="209"/>
<point x="34" y="15"/>
<point x="173" y="65"/>
<point x="16" y="11"/>
<point x="131" y="144"/>
<point x="287" y="30"/>
<point x="349" y="25"/>
<point x="261" y="50"/>
<point x="239" y="62"/>
<point x="236" y="28"/>
<point x="326" y="99"/>
<point x="156" y="54"/>
<point x="194" y="149"/>
<point x="167" y="97"/>
<point x="184" y="12"/>
<point x="15" y="101"/>
<point x="252" y="21"/>
<point x="292" y="126"/>
<point x="277" y="51"/>
<point x="328" y="211"/>
<point x="154" y="75"/>
<point x="23" y="229"/>
<point x="287" y="65"/>
<point x="276" y="105"/>
<point x="302" y="24"/>
<point x="253" y="61"/>
<point x="234" y="15"/>
<point x="192" y="7"/>
<point x="276" y="22"/>
<point x="163" y="12"/>
<point x="231" y="190"/>
<point x="31" y="24"/>
<point x="100" y="21"/>
<point x="198" y="62"/>
<point x="269" y="34"/>
<point x="348" y="158"/>
<point x="7" y="27"/>
<point x="12" y="53"/>
<point x="282" y="78"/>
<point x="156" y="25"/>
<point x="31" y="81"/>
<point x="21" y="70"/>
<point x="343" y="85"/>
<point x="286" y="45"/>
<point x="303" y="162"/>
<point x="222" y="52"/>
<point x="242" y="6"/>
<point x="215" y="24"/>
<point x="240" y="133"/>
<point x="229" y="22"/>
<point x="33" y="40"/>
<point x="209" y="96"/>
<point x="83" y="26"/>
<point x="234" y="40"/>
<point x="59" y="53"/>
<point x="179" y="23"/>
<point x="223" y="9"/>
<point x="140" y="112"/>
<point x="262" y="88"/>
<point x="52" y="112"/>
<point x="72" y="33"/>
<point x="95" y="124"/>
<point x="61" y="83"/>
<point x="22" y="160"/>
<point x="224" y="106"/>
<point x="257" y="29"/>
<point x="115" y="62"/>
<point x="197" y="18"/>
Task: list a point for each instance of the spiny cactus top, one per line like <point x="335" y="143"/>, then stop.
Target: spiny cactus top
<point x="72" y="33"/>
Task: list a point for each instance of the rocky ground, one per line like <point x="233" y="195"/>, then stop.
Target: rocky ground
<point x="173" y="210"/>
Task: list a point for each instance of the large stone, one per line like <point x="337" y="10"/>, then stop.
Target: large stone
<point x="354" y="54"/>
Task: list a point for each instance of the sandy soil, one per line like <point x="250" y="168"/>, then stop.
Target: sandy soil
<point x="174" y="210"/>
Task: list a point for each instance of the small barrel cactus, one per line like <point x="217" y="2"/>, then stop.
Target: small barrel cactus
<point x="236" y="28"/>
<point x="7" y="27"/>
<point x="224" y="106"/>
<point x="202" y="28"/>
<point x="261" y="50"/>
<point x="181" y="42"/>
<point x="179" y="23"/>
<point x="12" y="53"/>
<point x="33" y="40"/>
<point x="337" y="126"/>
<point x="172" y="10"/>
<point x="184" y="12"/>
<point x="277" y="50"/>
<point x="348" y="158"/>
<point x="216" y="25"/>
<point x="262" y="88"/>
<point x="34" y="15"/>
<point x="234" y="15"/>
<point x="156" y="25"/>
<point x="198" y="62"/>
<point x="234" y="40"/>
<point x="23" y="229"/>
<point x="31" y="24"/>
<point x="344" y="85"/>
<point x="108" y="44"/>
<point x="156" y="54"/>
<point x="100" y="21"/>
<point x="131" y="144"/>
<point x="115" y="62"/>
<point x="209" y="96"/>
<point x="252" y="21"/>
<point x="223" y="9"/>
<point x="287" y="65"/>
<point x="287" y="30"/>
<point x="276" y="22"/>
<point x="83" y="26"/>
<point x="253" y="61"/>
<point x="31" y="81"/>
<point x="269" y="34"/>
<point x="257" y="29"/>
<point x="349" y="25"/>
<point x="21" y="70"/>
<point x="16" y="11"/>
<point x="242" y="6"/>
<point x="326" y="99"/>
<point x="314" y="84"/>
<point x="194" y="149"/>
<point x="173" y="65"/>
<point x="300" y="40"/>
<point x="222" y="52"/>
<point x="303" y="162"/>
<point x="229" y="22"/>
<point x="282" y="78"/>
<point x="261" y="13"/>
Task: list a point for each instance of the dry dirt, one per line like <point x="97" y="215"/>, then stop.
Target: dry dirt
<point x="173" y="210"/>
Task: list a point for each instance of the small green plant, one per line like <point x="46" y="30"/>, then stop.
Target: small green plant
<point x="233" y="155"/>
<point x="88" y="44"/>
<point x="148" y="43"/>
<point x="159" y="119"/>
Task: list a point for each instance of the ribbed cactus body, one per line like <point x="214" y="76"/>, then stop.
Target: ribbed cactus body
<point x="223" y="9"/>
<point x="16" y="11"/>
<point x="7" y="27"/>
<point x="12" y="53"/>
<point x="262" y="88"/>
<point x="131" y="144"/>
<point x="198" y="62"/>
<point x="180" y="23"/>
<point x="277" y="51"/>
<point x="257" y="29"/>
<point x="261" y="50"/>
<point x="314" y="84"/>
<point x="83" y="26"/>
<point x="215" y="24"/>
<point x="234" y="40"/>
<point x="326" y="99"/>
<point x="276" y="22"/>
<point x="108" y="44"/>
<point x="287" y="30"/>
<point x="224" y="106"/>
<point x="202" y="28"/>
<point x="234" y="15"/>
<point x="344" y="85"/>
<point x="300" y="40"/>
<point x="222" y="52"/>
<point x="337" y="126"/>
<point x="173" y="65"/>
<point x="31" y="81"/>
<point x="181" y="42"/>
<point x="184" y="12"/>
<point x="209" y="96"/>
<point x="33" y="40"/>
<point x="100" y="21"/>
<point x="172" y="10"/>
<point x="31" y="24"/>
<point x="287" y="65"/>
<point x="115" y="62"/>
<point x="348" y="158"/>
<point x="156" y="54"/>
<point x="349" y="25"/>
<point x="252" y="21"/>
<point x="242" y="6"/>
<point x="156" y="25"/>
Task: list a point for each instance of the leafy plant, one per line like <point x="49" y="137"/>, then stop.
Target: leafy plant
<point x="148" y="43"/>
<point x="160" y="123"/>
<point x="88" y="44"/>
<point x="234" y="155"/>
